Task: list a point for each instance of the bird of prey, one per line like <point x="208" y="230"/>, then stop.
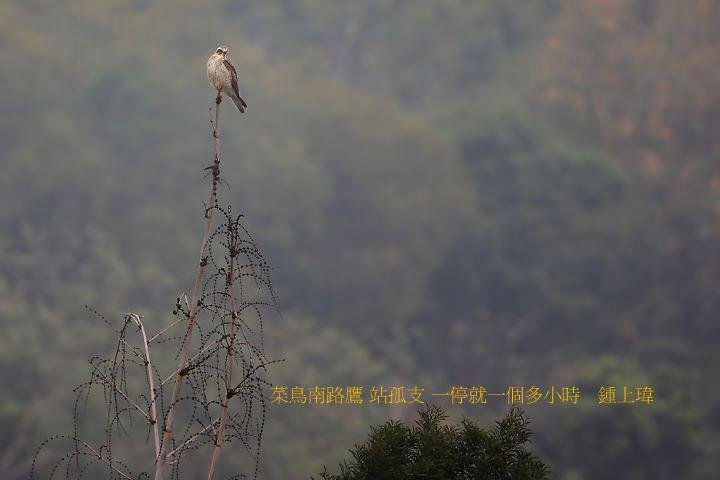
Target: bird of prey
<point x="223" y="77"/>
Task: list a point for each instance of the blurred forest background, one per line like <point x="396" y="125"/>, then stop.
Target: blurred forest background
<point x="451" y="193"/>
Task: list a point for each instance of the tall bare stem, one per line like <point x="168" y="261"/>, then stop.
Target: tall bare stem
<point x="229" y="359"/>
<point x="194" y="303"/>
<point x="151" y="384"/>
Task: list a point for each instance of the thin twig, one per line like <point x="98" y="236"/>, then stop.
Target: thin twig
<point x="104" y="460"/>
<point x="192" y="360"/>
<point x="193" y="437"/>
<point x="154" y="337"/>
<point x="123" y="394"/>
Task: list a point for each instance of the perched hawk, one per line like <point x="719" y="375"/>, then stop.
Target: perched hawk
<point x="223" y="77"/>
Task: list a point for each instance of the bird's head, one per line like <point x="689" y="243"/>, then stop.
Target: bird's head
<point x="221" y="50"/>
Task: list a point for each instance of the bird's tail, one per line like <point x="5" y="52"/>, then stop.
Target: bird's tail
<point x="241" y="105"/>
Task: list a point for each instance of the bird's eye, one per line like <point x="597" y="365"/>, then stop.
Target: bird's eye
<point x="219" y="50"/>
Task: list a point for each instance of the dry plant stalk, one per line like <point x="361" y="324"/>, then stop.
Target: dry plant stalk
<point x="197" y="287"/>
<point x="218" y="386"/>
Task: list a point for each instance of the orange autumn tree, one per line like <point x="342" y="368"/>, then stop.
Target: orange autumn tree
<point x="641" y="76"/>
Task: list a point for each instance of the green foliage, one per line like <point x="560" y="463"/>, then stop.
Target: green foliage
<point x="432" y="449"/>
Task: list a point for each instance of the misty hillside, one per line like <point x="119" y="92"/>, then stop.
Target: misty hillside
<point x="450" y="192"/>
